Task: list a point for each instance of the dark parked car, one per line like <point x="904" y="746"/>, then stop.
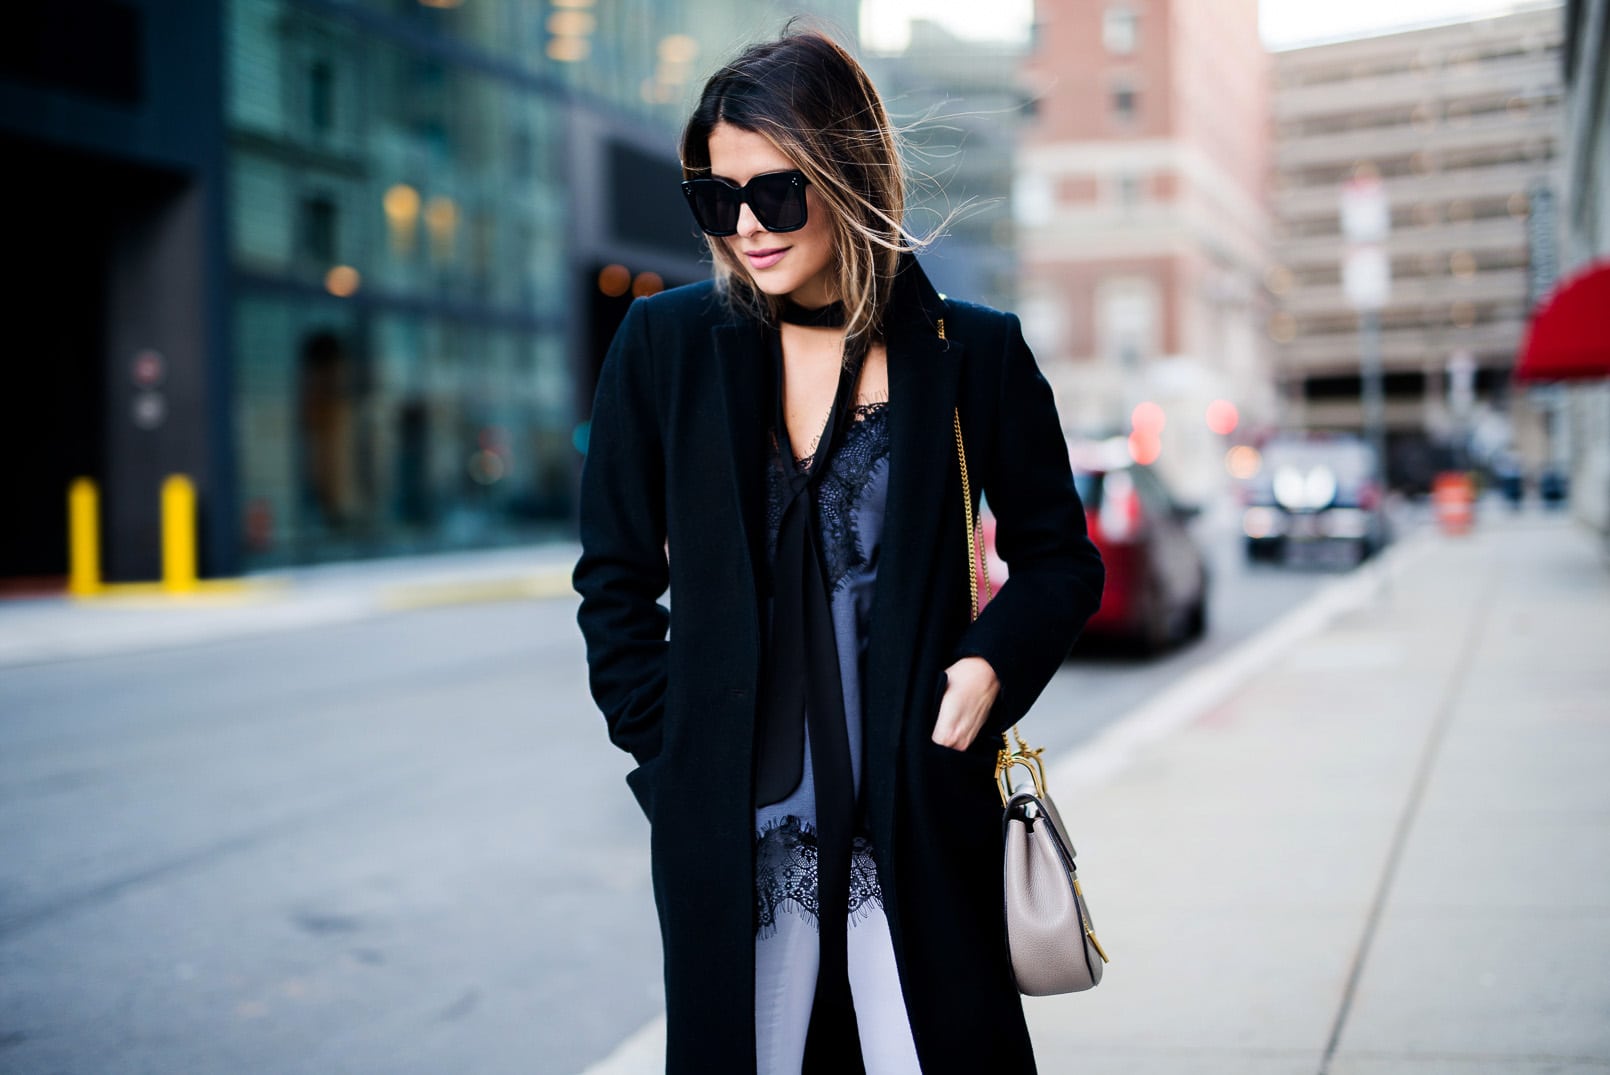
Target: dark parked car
<point x="1157" y="584"/>
<point x="1312" y="492"/>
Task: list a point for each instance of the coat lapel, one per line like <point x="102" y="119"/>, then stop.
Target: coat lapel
<point x="747" y="399"/>
<point x="923" y="375"/>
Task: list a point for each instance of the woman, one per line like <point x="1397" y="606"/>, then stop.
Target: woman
<point x="815" y="740"/>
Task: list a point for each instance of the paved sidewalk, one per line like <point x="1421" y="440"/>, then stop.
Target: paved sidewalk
<point x="1388" y="851"/>
<point x="61" y="628"/>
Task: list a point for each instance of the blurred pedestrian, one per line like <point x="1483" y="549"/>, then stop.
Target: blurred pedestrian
<point x="816" y="738"/>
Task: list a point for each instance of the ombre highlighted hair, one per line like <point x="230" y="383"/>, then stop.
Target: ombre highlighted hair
<point x="810" y="98"/>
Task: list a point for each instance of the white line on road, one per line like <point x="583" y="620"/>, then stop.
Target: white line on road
<point x="641" y="1054"/>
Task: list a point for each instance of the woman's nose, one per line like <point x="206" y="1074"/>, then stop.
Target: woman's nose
<point x="747" y="224"/>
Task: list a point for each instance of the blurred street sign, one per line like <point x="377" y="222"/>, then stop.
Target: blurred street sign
<point x="148" y="368"/>
<point x="1366" y="276"/>
<point x="150" y="409"/>
<point x="1365" y="217"/>
<point x="1367" y="285"/>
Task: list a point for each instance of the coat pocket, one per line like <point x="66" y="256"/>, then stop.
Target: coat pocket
<point x="982" y="744"/>
<point x="644" y="781"/>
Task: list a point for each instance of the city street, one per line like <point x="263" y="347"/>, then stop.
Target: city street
<point x="377" y="311"/>
<point x="400" y="844"/>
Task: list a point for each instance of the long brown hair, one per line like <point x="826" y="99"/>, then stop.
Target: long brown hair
<point x="810" y="98"/>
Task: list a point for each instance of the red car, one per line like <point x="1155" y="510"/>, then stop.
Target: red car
<point x="1157" y="584"/>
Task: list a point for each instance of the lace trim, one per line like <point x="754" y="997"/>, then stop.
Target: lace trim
<point x="861" y="413"/>
<point x="863" y="449"/>
<point x="786" y="858"/>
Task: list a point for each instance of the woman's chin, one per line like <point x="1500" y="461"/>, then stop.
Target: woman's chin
<point x="776" y="287"/>
<point x="809" y="291"/>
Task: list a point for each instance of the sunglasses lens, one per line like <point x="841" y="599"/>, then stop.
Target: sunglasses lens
<point x="714" y="205"/>
<point x="778" y="201"/>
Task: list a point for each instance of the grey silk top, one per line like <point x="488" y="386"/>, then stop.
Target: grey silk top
<point x="850" y="502"/>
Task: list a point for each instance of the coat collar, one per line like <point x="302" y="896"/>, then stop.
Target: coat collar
<point x="924" y="372"/>
<point x="747" y="395"/>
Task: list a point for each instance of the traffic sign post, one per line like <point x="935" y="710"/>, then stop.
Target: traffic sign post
<point x="1367" y="283"/>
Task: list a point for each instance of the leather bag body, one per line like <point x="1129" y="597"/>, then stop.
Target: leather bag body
<point x="1052" y="941"/>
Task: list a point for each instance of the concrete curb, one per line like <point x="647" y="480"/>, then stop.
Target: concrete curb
<point x="1199" y="691"/>
<point x="542" y="585"/>
<point x="143" y="621"/>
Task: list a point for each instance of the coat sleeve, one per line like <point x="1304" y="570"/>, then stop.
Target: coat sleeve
<point x="623" y="571"/>
<point x="1056" y="574"/>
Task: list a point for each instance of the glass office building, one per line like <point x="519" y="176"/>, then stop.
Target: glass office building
<point x="417" y="230"/>
<point x="350" y="265"/>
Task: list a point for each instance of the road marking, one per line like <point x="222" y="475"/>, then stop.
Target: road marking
<point x="641" y="1054"/>
<point x="407" y="597"/>
<point x="1109" y="753"/>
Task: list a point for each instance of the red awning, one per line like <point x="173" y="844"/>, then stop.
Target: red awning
<point x="1569" y="338"/>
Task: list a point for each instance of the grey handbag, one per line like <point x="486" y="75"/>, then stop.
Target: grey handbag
<point x="1048" y="930"/>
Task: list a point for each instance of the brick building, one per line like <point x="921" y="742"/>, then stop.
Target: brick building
<point x="1142" y="221"/>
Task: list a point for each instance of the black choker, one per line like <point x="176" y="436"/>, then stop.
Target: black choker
<point x="829" y="316"/>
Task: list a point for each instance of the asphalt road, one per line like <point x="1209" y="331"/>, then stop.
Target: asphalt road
<point x="400" y="845"/>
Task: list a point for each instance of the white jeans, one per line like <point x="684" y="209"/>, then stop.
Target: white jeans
<point x="785" y="986"/>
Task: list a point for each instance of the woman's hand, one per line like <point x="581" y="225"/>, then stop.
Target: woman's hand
<point x="970" y="691"/>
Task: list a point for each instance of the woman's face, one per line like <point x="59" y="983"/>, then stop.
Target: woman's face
<point x="798" y="264"/>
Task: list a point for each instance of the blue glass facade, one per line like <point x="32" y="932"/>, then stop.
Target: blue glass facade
<point x="420" y="199"/>
<point x="348" y="265"/>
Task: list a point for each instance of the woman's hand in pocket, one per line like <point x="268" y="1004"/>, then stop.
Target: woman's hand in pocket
<point x="970" y="691"/>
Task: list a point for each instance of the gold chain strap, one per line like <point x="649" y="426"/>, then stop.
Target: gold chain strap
<point x="978" y="565"/>
<point x="1007" y="757"/>
<point x="976" y="560"/>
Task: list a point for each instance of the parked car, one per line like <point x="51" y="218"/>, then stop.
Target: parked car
<point x="1313" y="491"/>
<point x="1156" y="591"/>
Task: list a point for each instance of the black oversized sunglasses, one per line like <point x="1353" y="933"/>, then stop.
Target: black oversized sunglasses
<point x="776" y="198"/>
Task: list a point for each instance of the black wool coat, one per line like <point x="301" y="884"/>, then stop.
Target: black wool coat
<point x="676" y="459"/>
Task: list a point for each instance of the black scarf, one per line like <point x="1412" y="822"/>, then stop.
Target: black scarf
<point x="803" y="673"/>
<point x="803" y="686"/>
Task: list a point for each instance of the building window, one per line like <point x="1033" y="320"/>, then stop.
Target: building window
<point x="1125" y="102"/>
<point x="1128" y="321"/>
<point x="319" y="228"/>
<point x="321" y="97"/>
<point x="1130" y="190"/>
<point x="1120" y="29"/>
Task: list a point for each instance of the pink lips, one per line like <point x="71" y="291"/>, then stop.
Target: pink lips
<point x="765" y="259"/>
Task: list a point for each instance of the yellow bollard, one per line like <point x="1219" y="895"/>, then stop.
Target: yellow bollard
<point x="178" y="534"/>
<point x="83" y="538"/>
